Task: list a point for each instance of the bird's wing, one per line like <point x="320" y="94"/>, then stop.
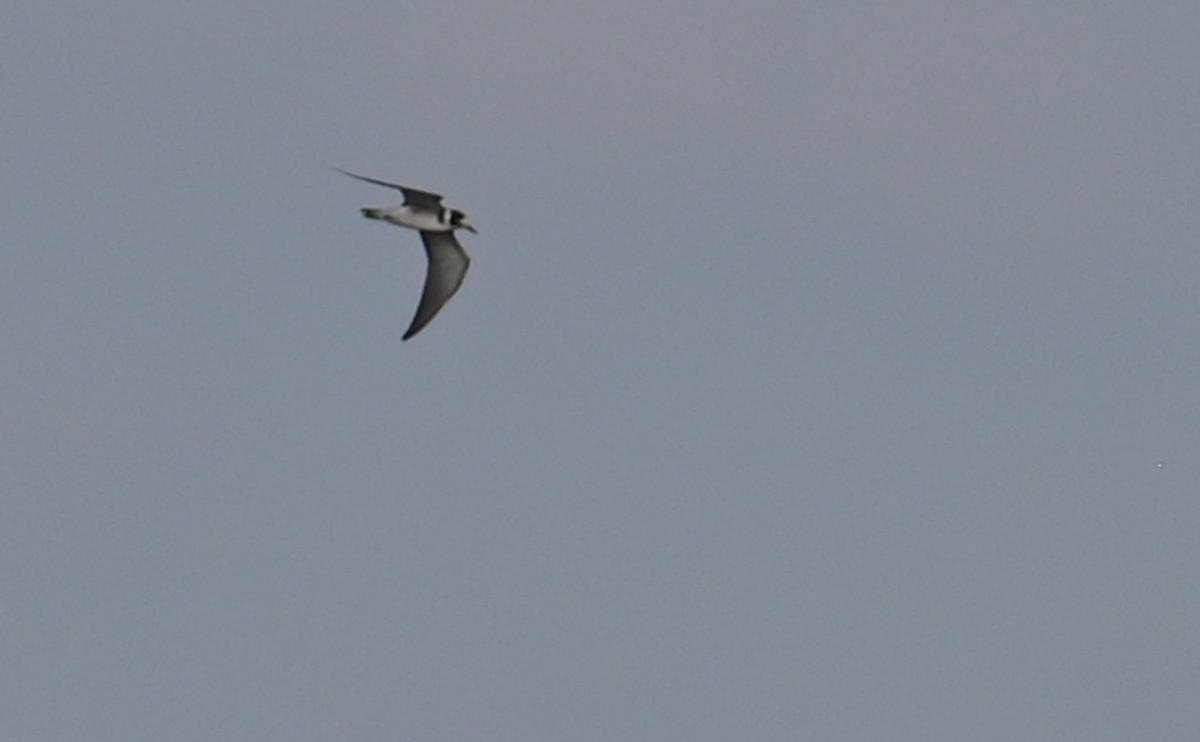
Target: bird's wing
<point x="447" y="266"/>
<point x="412" y="196"/>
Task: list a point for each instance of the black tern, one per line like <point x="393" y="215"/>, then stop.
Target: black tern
<point x="448" y="262"/>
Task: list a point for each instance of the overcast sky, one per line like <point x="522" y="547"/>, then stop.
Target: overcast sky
<point x="825" y="371"/>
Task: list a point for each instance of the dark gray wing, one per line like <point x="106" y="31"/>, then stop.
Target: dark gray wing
<point x="447" y="266"/>
<point x="412" y="196"/>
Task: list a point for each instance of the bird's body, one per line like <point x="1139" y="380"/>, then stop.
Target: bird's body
<point x="448" y="262"/>
<point x="406" y="216"/>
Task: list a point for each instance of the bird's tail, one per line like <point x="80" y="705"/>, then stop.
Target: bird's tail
<point x="372" y="213"/>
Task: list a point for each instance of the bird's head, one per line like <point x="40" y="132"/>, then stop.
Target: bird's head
<point x="460" y="221"/>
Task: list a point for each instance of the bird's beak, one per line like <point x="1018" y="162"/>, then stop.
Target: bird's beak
<point x="470" y="228"/>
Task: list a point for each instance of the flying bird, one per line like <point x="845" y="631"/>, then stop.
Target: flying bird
<point x="423" y="211"/>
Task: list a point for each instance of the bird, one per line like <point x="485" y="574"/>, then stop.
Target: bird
<point x="448" y="262"/>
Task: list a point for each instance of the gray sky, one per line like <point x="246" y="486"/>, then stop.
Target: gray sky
<point x="825" y="371"/>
